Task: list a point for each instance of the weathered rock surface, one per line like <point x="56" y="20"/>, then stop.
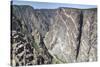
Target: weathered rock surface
<point x="88" y="45"/>
<point x="27" y="48"/>
<point x="62" y="39"/>
<point x="50" y="36"/>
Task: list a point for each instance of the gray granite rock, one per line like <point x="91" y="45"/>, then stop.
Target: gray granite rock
<point x="88" y="45"/>
<point x="52" y="36"/>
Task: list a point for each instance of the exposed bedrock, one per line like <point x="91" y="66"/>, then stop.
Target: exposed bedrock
<point x="88" y="45"/>
<point x="51" y="36"/>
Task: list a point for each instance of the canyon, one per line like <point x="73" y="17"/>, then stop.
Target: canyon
<point x="52" y="36"/>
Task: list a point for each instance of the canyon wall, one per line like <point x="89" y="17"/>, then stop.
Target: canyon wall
<point x="52" y="36"/>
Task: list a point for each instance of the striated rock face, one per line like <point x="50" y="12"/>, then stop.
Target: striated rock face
<point x="62" y="39"/>
<point x="27" y="46"/>
<point x="88" y="44"/>
<point x="51" y="36"/>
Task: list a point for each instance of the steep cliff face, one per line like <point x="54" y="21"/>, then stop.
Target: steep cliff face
<point x="30" y="48"/>
<point x="62" y="39"/>
<point x="50" y="36"/>
<point x="88" y="44"/>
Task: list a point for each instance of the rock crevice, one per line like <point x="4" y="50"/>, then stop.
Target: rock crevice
<point x="80" y="34"/>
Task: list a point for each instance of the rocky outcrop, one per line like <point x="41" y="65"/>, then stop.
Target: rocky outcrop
<point x="50" y="36"/>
